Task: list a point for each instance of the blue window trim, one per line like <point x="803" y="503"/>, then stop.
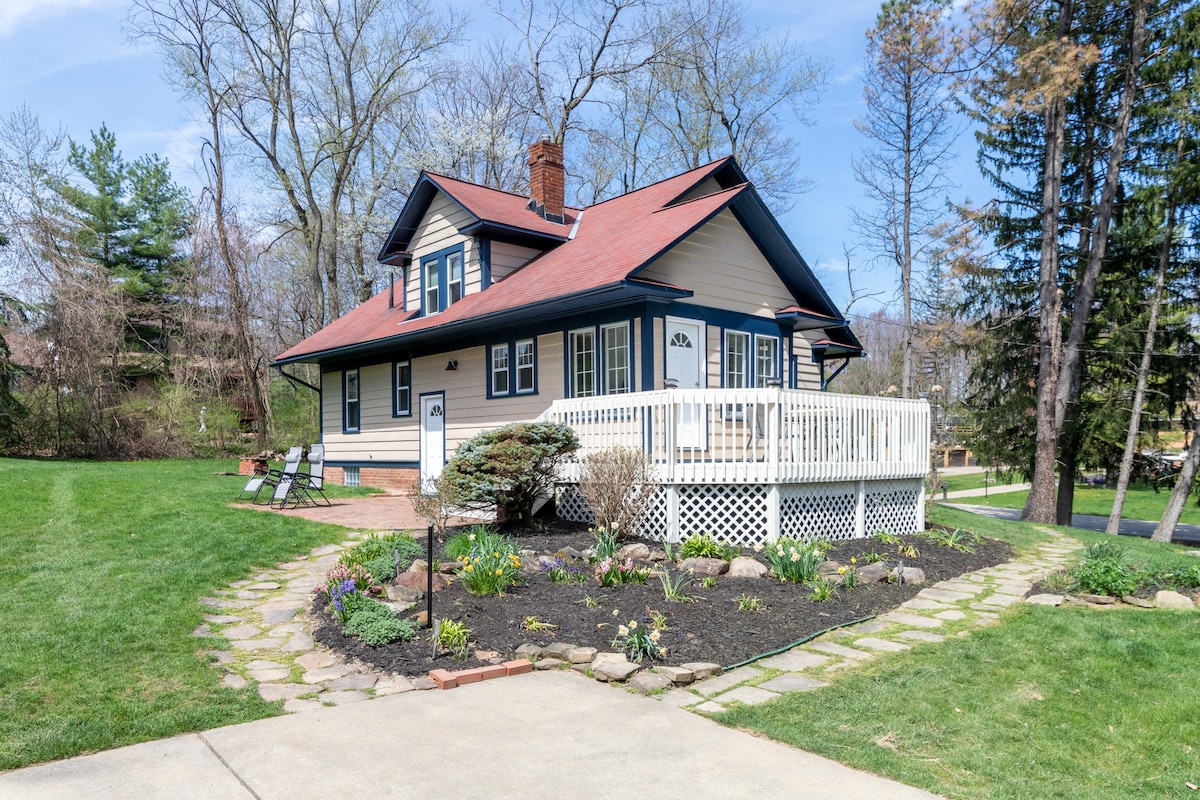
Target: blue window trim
<point x="345" y="415"/>
<point x="599" y="365"/>
<point x="443" y="271"/>
<point x="396" y="410"/>
<point x="511" y="344"/>
<point x="778" y="360"/>
<point x="485" y="263"/>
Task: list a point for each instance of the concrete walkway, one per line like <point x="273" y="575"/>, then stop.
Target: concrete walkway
<point x="544" y="734"/>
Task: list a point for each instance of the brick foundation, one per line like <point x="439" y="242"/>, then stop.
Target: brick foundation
<point x="398" y="479"/>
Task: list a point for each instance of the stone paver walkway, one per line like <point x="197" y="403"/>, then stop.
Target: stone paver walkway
<point x="946" y="608"/>
<point x="265" y="620"/>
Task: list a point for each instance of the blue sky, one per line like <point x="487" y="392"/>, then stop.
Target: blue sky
<point x="72" y="64"/>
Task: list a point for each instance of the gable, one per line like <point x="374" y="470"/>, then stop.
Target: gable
<point x="723" y="268"/>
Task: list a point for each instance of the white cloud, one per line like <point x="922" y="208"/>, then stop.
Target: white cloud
<point x="15" y="13"/>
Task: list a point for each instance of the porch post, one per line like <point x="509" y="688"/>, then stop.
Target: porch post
<point x="920" y="506"/>
<point x="860" y="510"/>
<point x="773" y="519"/>
<point x="673" y="533"/>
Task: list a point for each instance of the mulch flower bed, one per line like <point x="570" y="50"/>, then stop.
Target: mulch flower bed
<point x="711" y="628"/>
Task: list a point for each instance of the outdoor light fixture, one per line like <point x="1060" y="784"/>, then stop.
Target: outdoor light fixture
<point x="453" y="365"/>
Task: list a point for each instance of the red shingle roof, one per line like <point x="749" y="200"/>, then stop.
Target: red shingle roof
<point x="613" y="240"/>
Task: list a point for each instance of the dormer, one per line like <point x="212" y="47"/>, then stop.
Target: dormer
<point x="453" y="239"/>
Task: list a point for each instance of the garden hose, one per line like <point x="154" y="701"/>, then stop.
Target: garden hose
<point x="797" y="643"/>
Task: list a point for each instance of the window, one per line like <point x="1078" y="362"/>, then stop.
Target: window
<point x="351" y="476"/>
<point x="583" y="363"/>
<point x="430" y="280"/>
<point x="512" y="368"/>
<point x="442" y="280"/>
<point x="615" y="339"/>
<point x="500" y="370"/>
<point x="454" y="285"/>
<point x="350" y="416"/>
<point x="525" y="367"/>
<point x="766" y="361"/>
<point x="402" y="404"/>
<point x="609" y="371"/>
<point x="737" y="360"/>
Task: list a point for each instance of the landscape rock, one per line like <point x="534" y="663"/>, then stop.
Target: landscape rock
<point x="448" y="567"/>
<point x="677" y="675"/>
<point x="419" y="580"/>
<point x="873" y="573"/>
<point x="1045" y="599"/>
<point x="550" y="663"/>
<point x="404" y="594"/>
<point x="746" y="567"/>
<point x="1098" y="599"/>
<point x="635" y="550"/>
<point x="705" y="567"/>
<point x="582" y="655"/>
<point x="702" y="669"/>
<point x="658" y="556"/>
<point x="1174" y="600"/>
<point x="569" y="553"/>
<point x="913" y="575"/>
<point x="650" y="682"/>
<point x="606" y="671"/>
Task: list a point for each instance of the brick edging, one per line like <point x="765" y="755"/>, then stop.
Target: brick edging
<point x="445" y="679"/>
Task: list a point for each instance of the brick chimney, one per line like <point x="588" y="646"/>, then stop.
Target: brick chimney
<point x="547" y="180"/>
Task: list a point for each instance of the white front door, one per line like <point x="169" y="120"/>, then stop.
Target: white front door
<point x="433" y="439"/>
<point x="685" y="370"/>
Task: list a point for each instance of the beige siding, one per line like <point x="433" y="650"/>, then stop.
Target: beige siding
<point x="383" y="437"/>
<point x="808" y="374"/>
<point x="722" y="265"/>
<point x="508" y="257"/>
<point x="437" y="231"/>
<point x="715" y="335"/>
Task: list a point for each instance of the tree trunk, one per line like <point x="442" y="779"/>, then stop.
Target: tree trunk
<point x="1139" y="392"/>
<point x="1179" y="495"/>
<point x="1039" y="507"/>
<point x="1064" y="507"/>
<point x="1071" y="375"/>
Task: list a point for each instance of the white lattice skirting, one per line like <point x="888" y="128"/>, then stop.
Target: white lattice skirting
<point x="749" y="514"/>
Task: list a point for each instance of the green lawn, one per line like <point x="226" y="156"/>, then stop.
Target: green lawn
<point x="1053" y="703"/>
<point x="1140" y="503"/>
<point x="102" y="568"/>
<point x="974" y="480"/>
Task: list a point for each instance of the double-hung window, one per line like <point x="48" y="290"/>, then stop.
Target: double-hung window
<point x="766" y="361"/>
<point x="402" y="402"/>
<point x="500" y="375"/>
<point x="454" y="278"/>
<point x="747" y="368"/>
<point x="606" y="369"/>
<point x="737" y="360"/>
<point x="443" y="282"/>
<point x="512" y="368"/>
<point x="433" y="286"/>
<point x="350" y="413"/>
<point x="525" y="367"/>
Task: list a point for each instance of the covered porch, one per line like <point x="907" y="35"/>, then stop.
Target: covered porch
<point x="751" y="465"/>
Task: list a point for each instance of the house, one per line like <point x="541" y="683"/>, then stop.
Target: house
<point x="678" y="318"/>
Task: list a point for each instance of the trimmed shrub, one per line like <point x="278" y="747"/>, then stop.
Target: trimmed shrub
<point x="510" y="467"/>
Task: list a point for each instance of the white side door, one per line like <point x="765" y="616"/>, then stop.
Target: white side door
<point x="685" y="370"/>
<point x="433" y="439"/>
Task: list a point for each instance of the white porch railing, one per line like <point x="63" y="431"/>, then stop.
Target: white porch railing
<point x="755" y="436"/>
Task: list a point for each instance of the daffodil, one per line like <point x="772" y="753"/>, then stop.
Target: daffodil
<point x="616" y="612"/>
<point x="841" y="570"/>
<point x="468" y="568"/>
<point x="853" y="560"/>
<point x="633" y="625"/>
<point x="471" y="537"/>
<point x="622" y="630"/>
<point x="499" y="572"/>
